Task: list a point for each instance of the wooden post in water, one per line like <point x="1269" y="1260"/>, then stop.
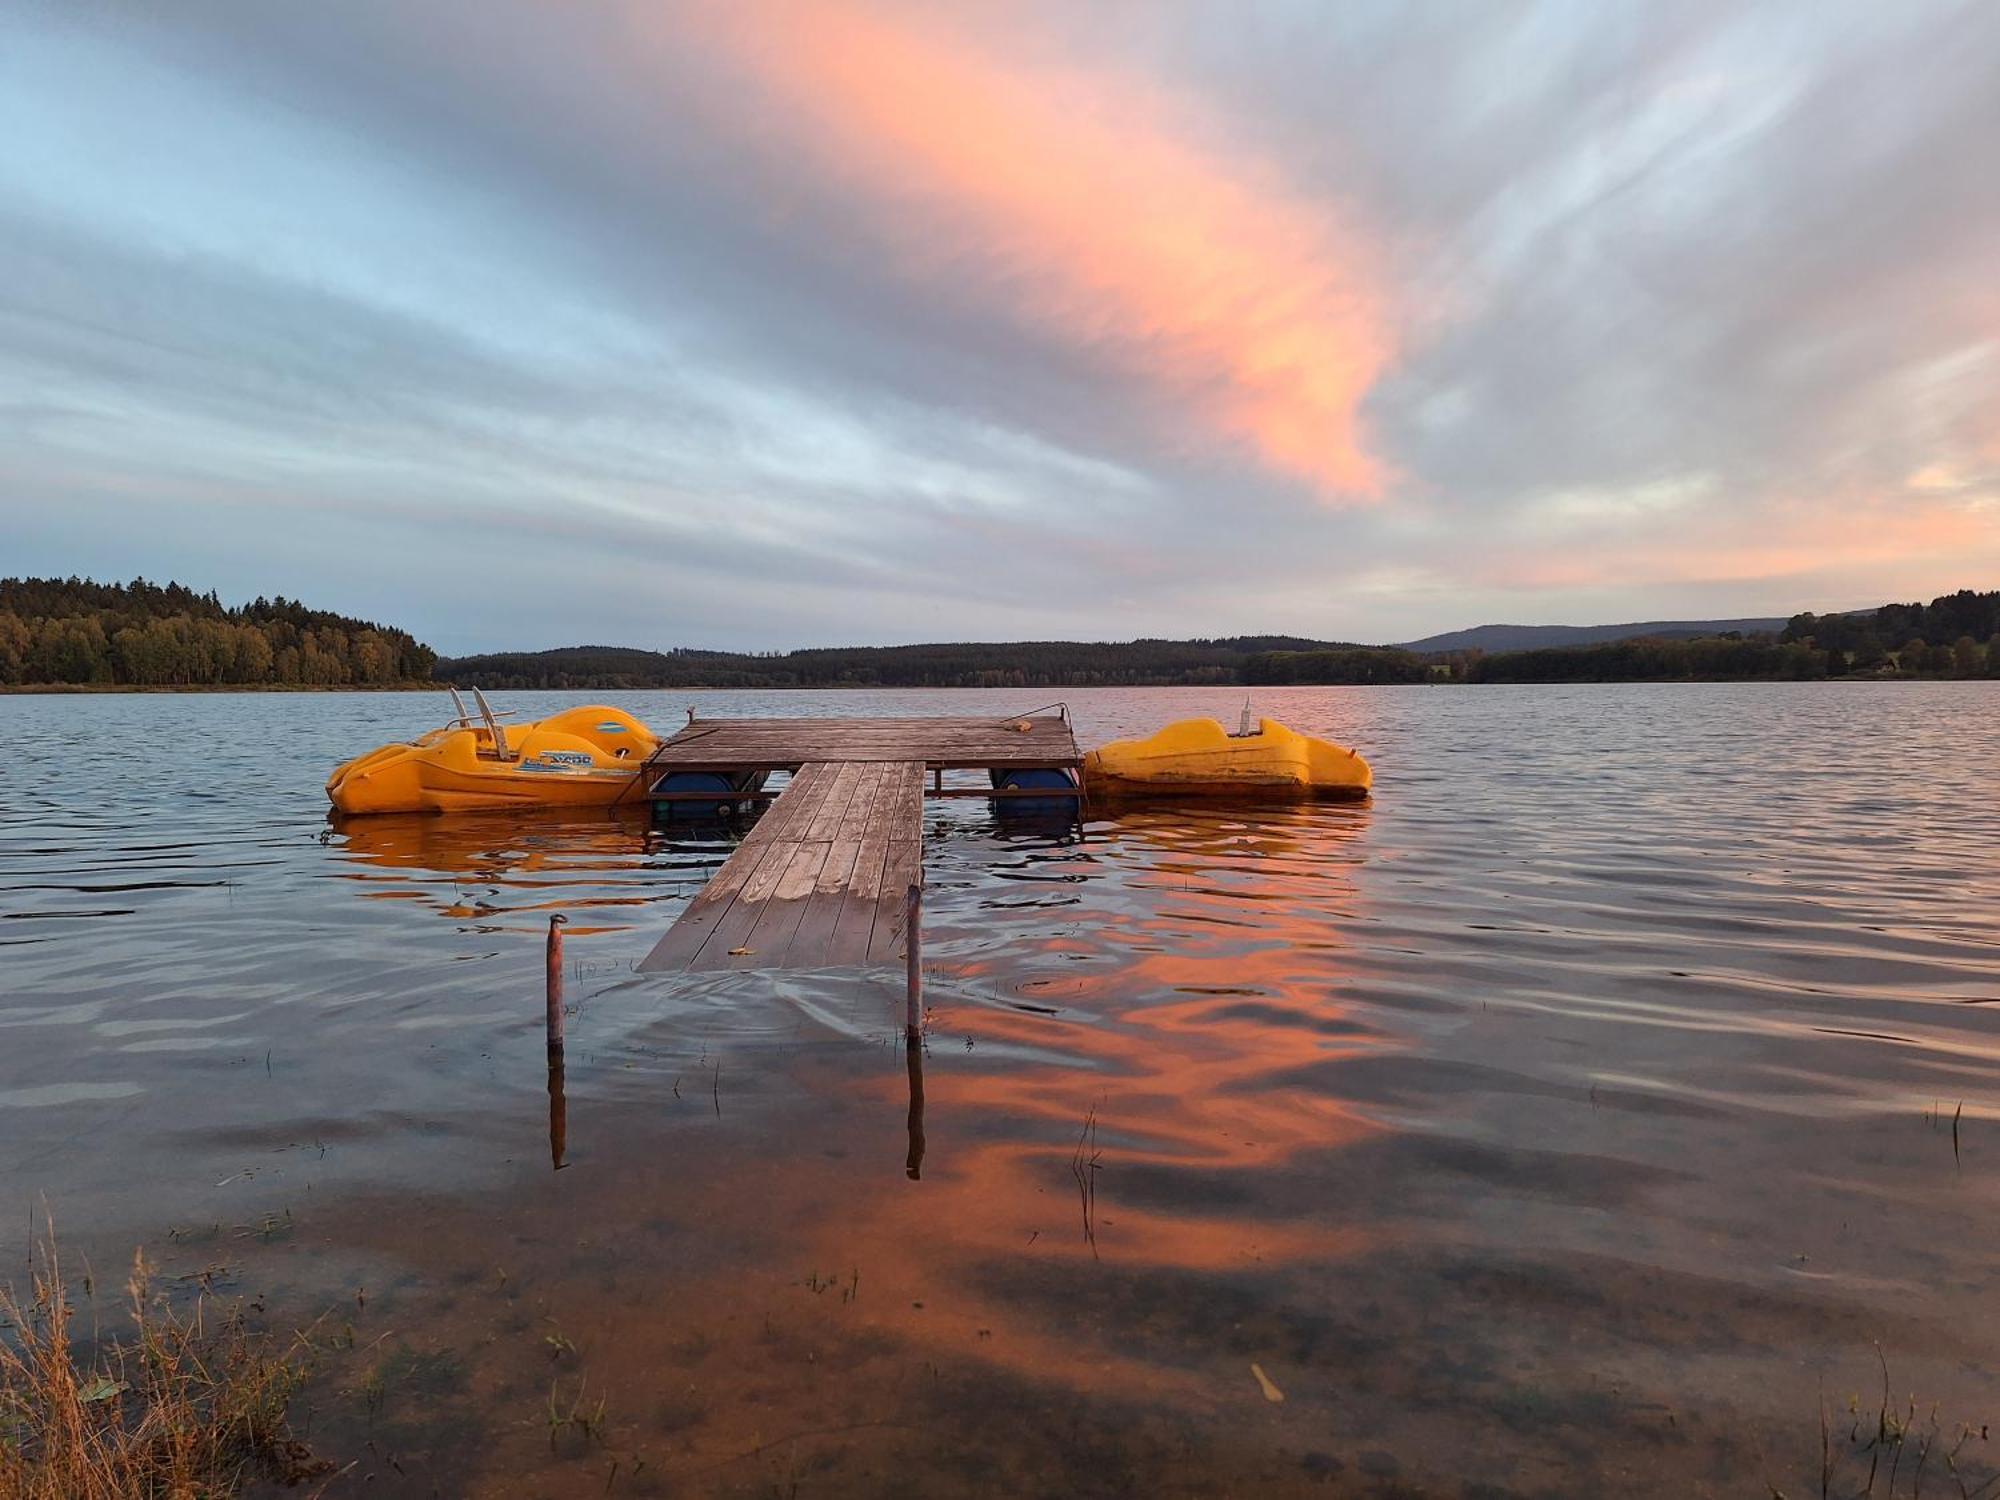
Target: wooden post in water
<point x="558" y="1109"/>
<point x="556" y="982"/>
<point x="913" y="948"/>
<point x="913" y="1052"/>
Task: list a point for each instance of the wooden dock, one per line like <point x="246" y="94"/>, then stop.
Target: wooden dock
<point x="937" y="744"/>
<point x="824" y="879"/>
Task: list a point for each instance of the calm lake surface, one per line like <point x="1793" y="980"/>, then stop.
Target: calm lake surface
<point x="1586" y="1114"/>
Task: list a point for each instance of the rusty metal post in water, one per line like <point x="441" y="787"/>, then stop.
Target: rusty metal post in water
<point x="555" y="982"/>
<point x="913" y="947"/>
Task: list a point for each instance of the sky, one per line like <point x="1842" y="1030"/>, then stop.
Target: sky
<point x="757" y="325"/>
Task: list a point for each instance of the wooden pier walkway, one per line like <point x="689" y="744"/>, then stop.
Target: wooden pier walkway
<point x="823" y="879"/>
<point x="819" y="882"/>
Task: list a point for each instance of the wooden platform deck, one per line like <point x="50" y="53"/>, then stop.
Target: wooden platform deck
<point x="936" y="744"/>
<point x="822" y="880"/>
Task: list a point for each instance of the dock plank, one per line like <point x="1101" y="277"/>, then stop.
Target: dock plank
<point x="937" y="743"/>
<point x="770" y="937"/>
<point x="902" y="868"/>
<point x="712" y="903"/>
<point x="897" y="808"/>
<point x="826" y="817"/>
<point x="810" y="943"/>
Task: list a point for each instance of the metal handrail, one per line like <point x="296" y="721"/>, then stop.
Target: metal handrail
<point x="466" y="719"/>
<point x="1062" y="710"/>
<point x="493" y="726"/>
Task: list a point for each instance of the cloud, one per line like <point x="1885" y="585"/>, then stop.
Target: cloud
<point x="767" y="325"/>
<point x="1081" y="201"/>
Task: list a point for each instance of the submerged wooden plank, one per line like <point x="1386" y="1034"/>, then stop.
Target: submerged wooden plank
<point x="733" y="931"/>
<point x="811" y="943"/>
<point x="712" y="903"/>
<point x="770" y="937"/>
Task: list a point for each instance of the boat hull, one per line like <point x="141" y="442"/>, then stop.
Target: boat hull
<point x="583" y="757"/>
<point x="1199" y="758"/>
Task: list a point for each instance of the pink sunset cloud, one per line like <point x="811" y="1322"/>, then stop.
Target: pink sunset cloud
<point x="1092" y="209"/>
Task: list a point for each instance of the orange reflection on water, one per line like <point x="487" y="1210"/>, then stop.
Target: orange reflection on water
<point x="981" y="1222"/>
<point x="1172" y="1059"/>
<point x="491" y="864"/>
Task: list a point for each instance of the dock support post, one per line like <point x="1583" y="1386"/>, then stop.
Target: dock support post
<point x="913" y="948"/>
<point x="555" y="977"/>
<point x="913" y="1059"/>
<point x="558" y="1110"/>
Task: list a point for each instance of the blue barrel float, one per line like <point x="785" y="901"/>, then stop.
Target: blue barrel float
<point x="1055" y="779"/>
<point x="733" y="791"/>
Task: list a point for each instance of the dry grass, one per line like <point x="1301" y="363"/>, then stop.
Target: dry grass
<point x="189" y="1403"/>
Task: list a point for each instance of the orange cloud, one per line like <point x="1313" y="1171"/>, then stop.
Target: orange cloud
<point x="1084" y="204"/>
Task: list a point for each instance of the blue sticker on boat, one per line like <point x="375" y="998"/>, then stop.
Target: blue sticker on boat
<point x="610" y="728"/>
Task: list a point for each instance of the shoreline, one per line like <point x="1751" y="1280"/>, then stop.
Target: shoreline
<point x="81" y="689"/>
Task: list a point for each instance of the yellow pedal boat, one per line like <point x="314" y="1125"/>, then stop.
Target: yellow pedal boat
<point x="582" y="757"/>
<point x="1199" y="758"/>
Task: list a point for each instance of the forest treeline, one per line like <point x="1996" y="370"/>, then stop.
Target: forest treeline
<point x="1952" y="636"/>
<point x="1955" y="635"/>
<point x="1947" y="625"/>
<point x="71" y="631"/>
<point x="1015" y="664"/>
<point x="1343" y="664"/>
<point x="76" y="632"/>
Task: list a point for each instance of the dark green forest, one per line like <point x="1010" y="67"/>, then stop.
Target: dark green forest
<point x="1712" y="658"/>
<point x="1952" y="636"/>
<point x="71" y="631"/>
<point x="1941" y="638"/>
<point x="1339" y="664"/>
<point x="74" y="632"/>
<point x="1016" y="664"/>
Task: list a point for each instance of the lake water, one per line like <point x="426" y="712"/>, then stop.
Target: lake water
<point x="1589" y="1113"/>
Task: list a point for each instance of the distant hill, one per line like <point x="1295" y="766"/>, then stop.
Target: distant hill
<point x="568" y="666"/>
<point x="1023" y="664"/>
<point x="1536" y="637"/>
<point x="1942" y="638"/>
<point x="1955" y="635"/>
